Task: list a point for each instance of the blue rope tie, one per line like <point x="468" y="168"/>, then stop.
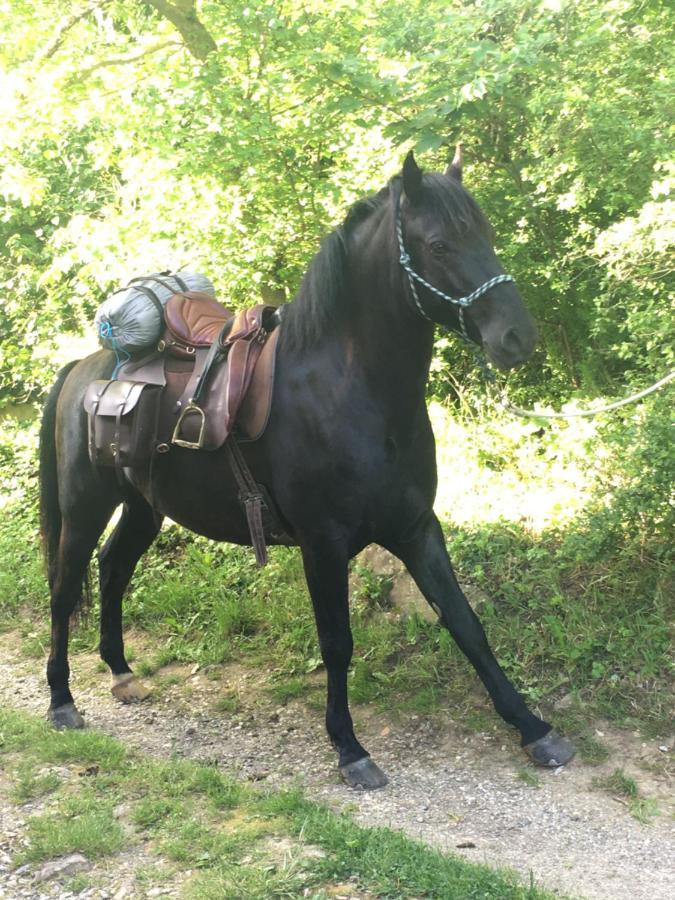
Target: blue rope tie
<point x="107" y="333"/>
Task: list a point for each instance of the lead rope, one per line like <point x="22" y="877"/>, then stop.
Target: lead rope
<point x="506" y="404"/>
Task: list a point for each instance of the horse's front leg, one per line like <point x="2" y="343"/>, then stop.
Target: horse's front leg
<point x="326" y="569"/>
<point x="427" y="561"/>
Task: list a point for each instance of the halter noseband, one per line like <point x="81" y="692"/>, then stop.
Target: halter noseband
<point x="413" y="276"/>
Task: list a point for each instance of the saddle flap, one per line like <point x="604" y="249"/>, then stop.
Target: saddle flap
<point x="112" y="398"/>
<point x="194" y="320"/>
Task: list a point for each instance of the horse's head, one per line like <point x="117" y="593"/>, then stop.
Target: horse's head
<point x="446" y="244"/>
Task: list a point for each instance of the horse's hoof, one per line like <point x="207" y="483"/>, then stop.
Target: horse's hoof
<point x="551" y="750"/>
<point x="128" y="689"/>
<point x="364" y="775"/>
<point x="65" y="716"/>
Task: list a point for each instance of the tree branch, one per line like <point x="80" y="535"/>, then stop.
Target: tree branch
<point x="65" y="26"/>
<point x="183" y="16"/>
<point x="122" y="60"/>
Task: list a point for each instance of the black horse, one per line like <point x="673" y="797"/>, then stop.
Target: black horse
<point x="348" y="455"/>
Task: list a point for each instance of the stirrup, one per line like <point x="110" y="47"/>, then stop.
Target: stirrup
<point x="181" y="442"/>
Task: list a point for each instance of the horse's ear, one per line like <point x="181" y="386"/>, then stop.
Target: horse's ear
<point x="412" y="178"/>
<point x="454" y="170"/>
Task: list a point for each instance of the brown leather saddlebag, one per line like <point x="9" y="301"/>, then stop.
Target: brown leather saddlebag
<point x="123" y="419"/>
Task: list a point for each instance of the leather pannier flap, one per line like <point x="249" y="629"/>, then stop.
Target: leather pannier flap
<point x="122" y="417"/>
<point x="111" y="395"/>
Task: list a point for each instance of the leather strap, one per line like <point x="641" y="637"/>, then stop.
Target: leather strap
<point x="118" y="436"/>
<point x="215" y="353"/>
<point x="251" y="498"/>
<point x="151" y="295"/>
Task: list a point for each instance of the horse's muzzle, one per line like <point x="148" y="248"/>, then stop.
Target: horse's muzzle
<point x="513" y="347"/>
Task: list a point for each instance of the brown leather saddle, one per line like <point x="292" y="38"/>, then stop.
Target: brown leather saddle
<point x="233" y="384"/>
<point x="208" y="384"/>
<point x="216" y="368"/>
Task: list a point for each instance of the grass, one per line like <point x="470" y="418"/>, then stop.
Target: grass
<point x="527" y="776"/>
<point x="624" y="788"/>
<point x="217" y="838"/>
<point x="31" y="786"/>
<point x="92" y="832"/>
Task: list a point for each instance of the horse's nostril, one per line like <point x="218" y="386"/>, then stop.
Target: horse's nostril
<point x="512" y="342"/>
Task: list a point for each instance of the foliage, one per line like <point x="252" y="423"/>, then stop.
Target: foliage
<point x="231" y="136"/>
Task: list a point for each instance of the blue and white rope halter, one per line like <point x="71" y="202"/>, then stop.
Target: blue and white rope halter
<point x="413" y="276"/>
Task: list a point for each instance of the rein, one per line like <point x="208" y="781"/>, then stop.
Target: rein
<point x="413" y="276"/>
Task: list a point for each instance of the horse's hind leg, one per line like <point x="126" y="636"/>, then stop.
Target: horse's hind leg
<point x="76" y="545"/>
<point x="427" y="561"/>
<point x="327" y="577"/>
<point x="134" y="533"/>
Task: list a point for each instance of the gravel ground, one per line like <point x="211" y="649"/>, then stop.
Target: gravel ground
<point x="452" y="791"/>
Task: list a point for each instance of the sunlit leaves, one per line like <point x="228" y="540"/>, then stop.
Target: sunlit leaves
<point x="124" y="152"/>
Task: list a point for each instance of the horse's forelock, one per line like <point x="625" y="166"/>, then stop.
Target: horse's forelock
<point x="447" y="198"/>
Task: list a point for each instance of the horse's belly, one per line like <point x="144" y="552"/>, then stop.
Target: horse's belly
<point x="198" y="491"/>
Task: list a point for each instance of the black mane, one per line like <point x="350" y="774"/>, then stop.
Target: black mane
<point x="320" y="303"/>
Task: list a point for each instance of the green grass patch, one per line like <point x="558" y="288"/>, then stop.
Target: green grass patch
<point x="289" y="689"/>
<point x="625" y="789"/>
<point x="527" y="776"/>
<point x="619" y="783"/>
<point x="30" y="785"/>
<point x="229" y="703"/>
<point x="644" y="809"/>
<point x="196" y="818"/>
<point x="398" y="866"/>
<point x="92" y="832"/>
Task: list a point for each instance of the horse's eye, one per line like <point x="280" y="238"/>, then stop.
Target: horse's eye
<point x="438" y="248"/>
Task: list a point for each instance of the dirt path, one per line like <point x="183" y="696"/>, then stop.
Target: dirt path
<point x="446" y="789"/>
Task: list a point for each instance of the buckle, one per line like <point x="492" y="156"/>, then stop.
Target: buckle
<point x="181" y="442"/>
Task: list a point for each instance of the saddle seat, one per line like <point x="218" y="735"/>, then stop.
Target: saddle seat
<point x="193" y="320"/>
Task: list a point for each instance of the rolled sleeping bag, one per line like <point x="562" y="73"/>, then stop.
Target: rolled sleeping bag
<point x="132" y="318"/>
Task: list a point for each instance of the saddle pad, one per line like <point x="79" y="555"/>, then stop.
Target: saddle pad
<point x="193" y="320"/>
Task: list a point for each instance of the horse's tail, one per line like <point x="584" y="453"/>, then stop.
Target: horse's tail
<point x="50" y="510"/>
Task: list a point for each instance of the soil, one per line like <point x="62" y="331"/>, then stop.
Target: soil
<point x="457" y="791"/>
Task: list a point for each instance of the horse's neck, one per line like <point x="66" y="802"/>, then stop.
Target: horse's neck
<point x="394" y="346"/>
